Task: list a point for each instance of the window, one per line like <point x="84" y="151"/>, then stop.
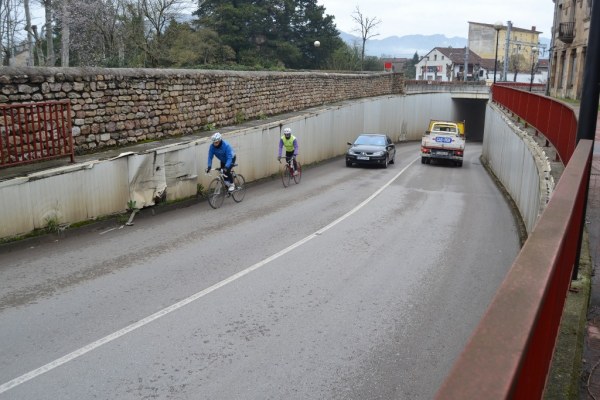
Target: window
<point x="563" y="69"/>
<point x="572" y="69"/>
<point x="435" y="57"/>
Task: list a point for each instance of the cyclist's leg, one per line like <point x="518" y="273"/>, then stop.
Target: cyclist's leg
<point x="227" y="173"/>
<point x="289" y="155"/>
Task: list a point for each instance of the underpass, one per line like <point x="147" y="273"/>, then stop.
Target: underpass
<point x="356" y="283"/>
<point x="367" y="114"/>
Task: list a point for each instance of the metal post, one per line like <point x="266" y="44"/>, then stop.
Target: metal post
<point x="588" y="110"/>
<point x="466" y="64"/>
<point x="496" y="56"/>
<point x="533" y="51"/>
<point x="506" y="50"/>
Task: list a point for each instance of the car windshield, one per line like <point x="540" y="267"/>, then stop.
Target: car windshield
<point x="370" y="140"/>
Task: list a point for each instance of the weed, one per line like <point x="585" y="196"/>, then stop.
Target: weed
<point x="122" y="219"/>
<point x="240" y="117"/>
<point x="52" y="225"/>
<point x="199" y="189"/>
<point x="131" y="205"/>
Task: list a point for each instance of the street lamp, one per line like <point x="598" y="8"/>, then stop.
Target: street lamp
<point x="497" y="26"/>
<point x="533" y="51"/>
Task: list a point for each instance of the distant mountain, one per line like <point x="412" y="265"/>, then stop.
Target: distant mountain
<point x="406" y="46"/>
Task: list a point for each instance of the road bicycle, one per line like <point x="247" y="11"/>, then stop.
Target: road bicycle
<point x="218" y="189"/>
<point x="288" y="172"/>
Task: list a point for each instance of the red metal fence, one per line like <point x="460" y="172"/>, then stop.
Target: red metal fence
<point x="509" y="354"/>
<point x="35" y="132"/>
<point x="553" y="119"/>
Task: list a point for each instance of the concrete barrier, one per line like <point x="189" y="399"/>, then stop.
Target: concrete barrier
<point x="94" y="189"/>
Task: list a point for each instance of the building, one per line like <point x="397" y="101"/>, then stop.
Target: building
<point x="570" y="32"/>
<point x="446" y="64"/>
<point x="395" y="64"/>
<point x="520" y="46"/>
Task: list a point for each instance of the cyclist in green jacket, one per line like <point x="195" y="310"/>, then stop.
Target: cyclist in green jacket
<point x="290" y="143"/>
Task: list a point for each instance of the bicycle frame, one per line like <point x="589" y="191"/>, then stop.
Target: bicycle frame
<point x="218" y="189"/>
<point x="288" y="172"/>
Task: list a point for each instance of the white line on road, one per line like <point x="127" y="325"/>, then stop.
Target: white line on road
<point x="122" y="332"/>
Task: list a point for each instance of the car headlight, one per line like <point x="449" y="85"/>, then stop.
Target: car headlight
<point x="379" y="153"/>
<point x="352" y="153"/>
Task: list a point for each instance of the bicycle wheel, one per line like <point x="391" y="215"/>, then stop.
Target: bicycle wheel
<point x="216" y="193"/>
<point x="240" y="188"/>
<point x="285" y="175"/>
<point x="298" y="176"/>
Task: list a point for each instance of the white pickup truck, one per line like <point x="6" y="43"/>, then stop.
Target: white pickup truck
<point x="444" y="140"/>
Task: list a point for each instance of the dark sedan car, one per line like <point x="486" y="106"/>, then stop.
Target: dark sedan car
<point x="371" y="148"/>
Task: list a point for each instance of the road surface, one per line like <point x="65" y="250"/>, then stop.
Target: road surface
<point x="358" y="283"/>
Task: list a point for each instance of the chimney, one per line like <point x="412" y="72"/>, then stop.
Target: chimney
<point x="533" y="28"/>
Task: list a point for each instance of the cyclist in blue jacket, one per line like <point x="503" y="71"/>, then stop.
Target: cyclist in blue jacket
<point x="224" y="152"/>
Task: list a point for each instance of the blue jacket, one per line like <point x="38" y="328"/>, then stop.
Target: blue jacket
<point x="224" y="153"/>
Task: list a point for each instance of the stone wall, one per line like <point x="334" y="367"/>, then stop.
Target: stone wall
<point x="112" y="107"/>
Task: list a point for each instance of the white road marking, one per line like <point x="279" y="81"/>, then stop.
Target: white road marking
<point x="122" y="332"/>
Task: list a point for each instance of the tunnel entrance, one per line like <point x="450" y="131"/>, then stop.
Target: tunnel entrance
<point x="472" y="111"/>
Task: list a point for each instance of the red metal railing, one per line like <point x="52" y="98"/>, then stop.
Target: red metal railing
<point x="510" y="352"/>
<point x="556" y="121"/>
<point x="535" y="87"/>
<point x="35" y="132"/>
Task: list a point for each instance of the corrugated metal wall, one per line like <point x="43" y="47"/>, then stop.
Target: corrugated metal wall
<point x="85" y="191"/>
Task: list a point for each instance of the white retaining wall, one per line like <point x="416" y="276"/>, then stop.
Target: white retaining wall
<point x="519" y="163"/>
<point x="94" y="189"/>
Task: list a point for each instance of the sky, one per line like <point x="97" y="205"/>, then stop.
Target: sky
<point x="447" y="17"/>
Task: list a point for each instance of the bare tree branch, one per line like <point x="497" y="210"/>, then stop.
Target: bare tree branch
<point x="366" y="26"/>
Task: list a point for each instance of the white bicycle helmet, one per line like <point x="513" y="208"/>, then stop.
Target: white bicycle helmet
<point x="287" y="132"/>
<point x="216" y="137"/>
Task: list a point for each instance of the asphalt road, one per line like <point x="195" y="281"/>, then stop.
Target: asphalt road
<point x="358" y="283"/>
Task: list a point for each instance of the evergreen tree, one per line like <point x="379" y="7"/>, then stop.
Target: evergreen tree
<point x="410" y="68"/>
<point x="272" y="32"/>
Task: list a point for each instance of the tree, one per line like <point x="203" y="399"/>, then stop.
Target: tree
<point x="366" y="26"/>
<point x="28" y="28"/>
<point x="65" y="34"/>
<point x="410" y="68"/>
<point x="158" y="13"/>
<point x="515" y="62"/>
<point x="48" y="13"/>
<point x="239" y="23"/>
<point x="188" y="47"/>
<point x="99" y="31"/>
<point x="309" y="24"/>
<point x="372" y="63"/>
<point x="345" y="58"/>
<point x="10" y="21"/>
<point x="272" y="32"/>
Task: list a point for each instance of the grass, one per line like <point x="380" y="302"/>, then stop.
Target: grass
<point x="52" y="224"/>
<point x="240" y="117"/>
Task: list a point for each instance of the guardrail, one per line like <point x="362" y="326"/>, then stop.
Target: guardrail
<point x="510" y="352"/>
<point x="422" y="86"/>
<point x="556" y="121"/>
<point x="530" y="87"/>
<point x="34" y="132"/>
